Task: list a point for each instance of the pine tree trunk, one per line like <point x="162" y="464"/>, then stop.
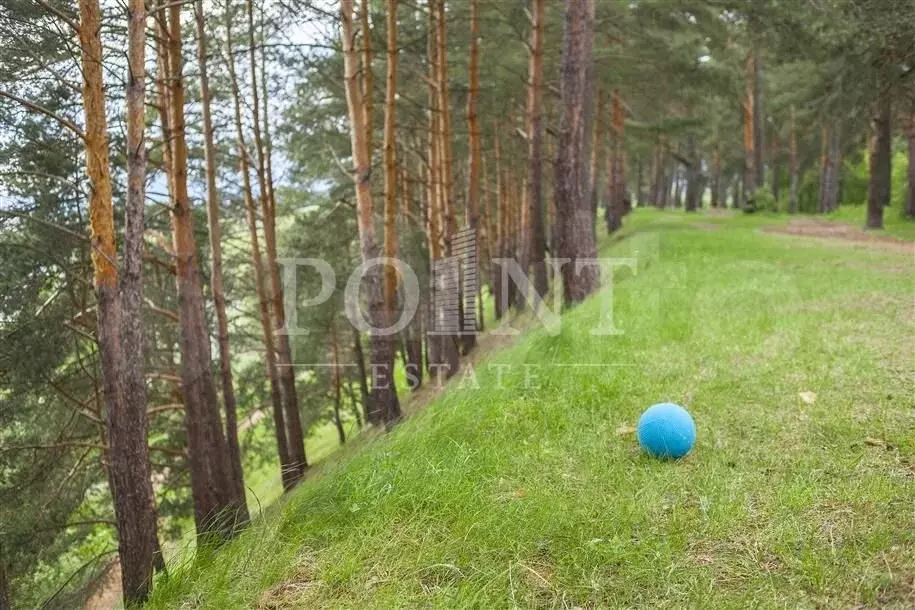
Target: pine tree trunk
<point x="285" y="366"/>
<point x="471" y="293"/>
<point x="362" y="376"/>
<point x="215" y="504"/>
<point x="881" y="159"/>
<point x="535" y="149"/>
<point x="910" y="139"/>
<point x="122" y="373"/>
<point x="447" y="177"/>
<point x="335" y="381"/>
<point x="829" y="177"/>
<point x="368" y="76"/>
<point x="792" y="162"/>
<point x="658" y="180"/>
<point x="286" y="469"/>
<point x="639" y="177"/>
<point x="776" y="166"/>
<point x="693" y="176"/>
<point x="6" y="599"/>
<point x="390" y="247"/>
<point x="749" y="131"/>
<point x="716" y="176"/>
<point x="617" y="196"/>
<point x="575" y="223"/>
<point x="385" y="405"/>
<point x="502" y="219"/>
<point x="219" y="299"/>
<point x="594" y="172"/>
<point x="759" y="134"/>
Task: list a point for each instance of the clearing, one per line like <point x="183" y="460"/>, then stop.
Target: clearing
<point x="794" y="356"/>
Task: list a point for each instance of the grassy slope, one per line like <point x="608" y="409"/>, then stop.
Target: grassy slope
<point x="537" y="496"/>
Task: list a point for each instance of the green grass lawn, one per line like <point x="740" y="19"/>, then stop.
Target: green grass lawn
<point x="532" y="492"/>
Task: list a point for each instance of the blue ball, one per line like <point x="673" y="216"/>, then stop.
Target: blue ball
<point x="667" y="431"/>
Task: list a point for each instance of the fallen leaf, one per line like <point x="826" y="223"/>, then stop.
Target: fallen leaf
<point x="808" y="397"/>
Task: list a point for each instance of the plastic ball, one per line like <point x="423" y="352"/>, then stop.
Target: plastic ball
<point x="667" y="431"/>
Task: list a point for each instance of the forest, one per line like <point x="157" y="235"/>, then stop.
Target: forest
<point x="174" y="366"/>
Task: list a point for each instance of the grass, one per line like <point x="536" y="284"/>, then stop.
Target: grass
<point x="532" y="492"/>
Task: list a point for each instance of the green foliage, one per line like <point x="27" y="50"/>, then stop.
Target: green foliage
<point x="762" y="200"/>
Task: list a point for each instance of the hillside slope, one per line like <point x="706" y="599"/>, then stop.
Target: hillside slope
<point x="531" y="491"/>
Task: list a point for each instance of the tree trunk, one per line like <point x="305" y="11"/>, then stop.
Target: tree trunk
<point x="390" y="247"/>
<point x="776" y="166"/>
<point x="759" y="134"/>
<point x="385" y="405"/>
<point x="219" y="298"/>
<point x="279" y="421"/>
<point x="6" y="599"/>
<point x="910" y="139"/>
<point x="639" y="170"/>
<point x="216" y="509"/>
<point x="793" y="164"/>
<point x="501" y="305"/>
<point x="285" y="366"/>
<point x="363" y="378"/>
<point x="716" y="176"/>
<point x="694" y="185"/>
<point x="749" y="130"/>
<point x="335" y="381"/>
<point x="829" y="178"/>
<point x="881" y="158"/>
<point x="617" y="195"/>
<point x="575" y="223"/>
<point x="122" y="373"/>
<point x="368" y="77"/>
<point x="447" y="177"/>
<point x="594" y="172"/>
<point x="658" y="180"/>
<point x="535" y="149"/>
<point x="473" y="187"/>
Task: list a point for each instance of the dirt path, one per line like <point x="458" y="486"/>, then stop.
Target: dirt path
<point x="826" y="229"/>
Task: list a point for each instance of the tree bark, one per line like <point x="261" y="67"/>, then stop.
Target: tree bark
<point x="759" y="134"/>
<point x="693" y="176"/>
<point x="368" y="76"/>
<point x="390" y="247"/>
<point x="447" y="177"/>
<point x="793" y="164"/>
<point x="219" y="298"/>
<point x="535" y="149"/>
<point x="776" y="166"/>
<point x="385" y="405"/>
<point x="285" y="366"/>
<point x="501" y="306"/>
<point x="442" y="348"/>
<point x="122" y="374"/>
<point x="473" y="175"/>
<point x="716" y="176"/>
<point x="594" y="172"/>
<point x="575" y="223"/>
<point x="881" y="158"/>
<point x="6" y="599"/>
<point x="829" y="178"/>
<point x="216" y="509"/>
<point x="363" y="378"/>
<point x="910" y="140"/>
<point x="335" y="381"/>
<point x="749" y="130"/>
<point x="618" y="196"/>
<point x="279" y="421"/>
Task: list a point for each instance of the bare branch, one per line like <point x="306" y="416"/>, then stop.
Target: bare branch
<point x="42" y="110"/>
